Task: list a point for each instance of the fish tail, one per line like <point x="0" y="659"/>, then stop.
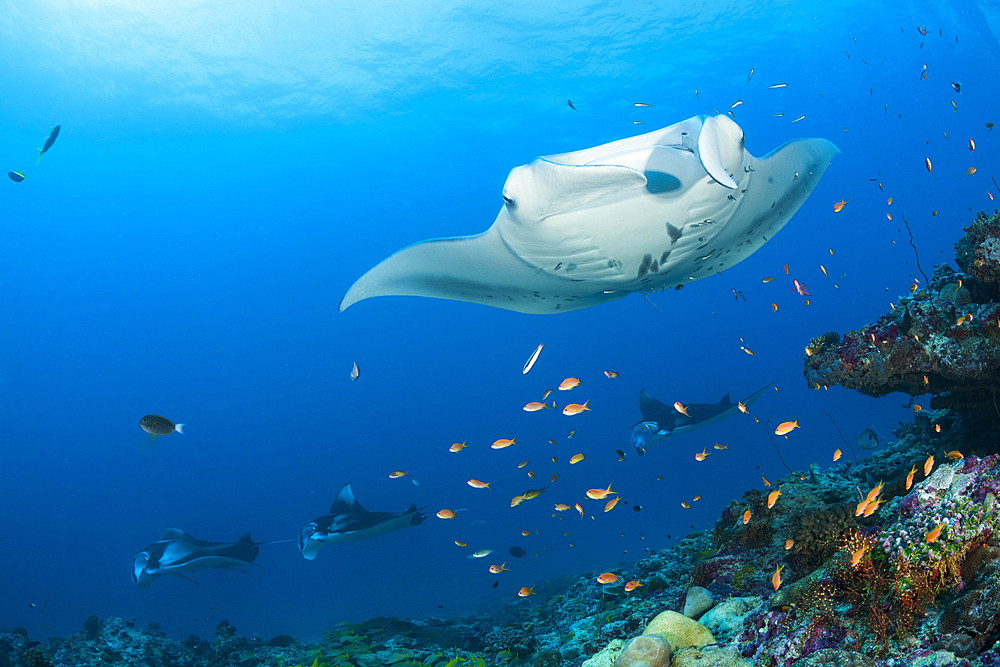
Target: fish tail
<point x="40" y="151"/>
<point x="179" y="428"/>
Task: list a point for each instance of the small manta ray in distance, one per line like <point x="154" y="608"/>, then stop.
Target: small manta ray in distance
<point x="660" y="420"/>
<point x="177" y="552"/>
<point x="651" y="212"/>
<point x="349" y="521"/>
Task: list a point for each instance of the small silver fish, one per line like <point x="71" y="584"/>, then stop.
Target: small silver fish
<point x="482" y="553"/>
<point x="641" y="104"/>
<point x="750" y="75"/>
<point x="736" y="104"/>
<point x="355" y="372"/>
<point x="776" y="85"/>
<point x="867" y="439"/>
<point x="799" y="118"/>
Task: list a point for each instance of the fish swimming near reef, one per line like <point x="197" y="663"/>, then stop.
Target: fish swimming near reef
<point x="349" y="521"/>
<point x="660" y="420"/>
<point x="867" y="439"/>
<point x="157" y="425"/>
<point x="177" y="553"/>
<point x="650" y="212"/>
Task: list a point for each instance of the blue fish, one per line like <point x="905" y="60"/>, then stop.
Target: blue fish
<point x="15" y="176"/>
<point x="48" y="142"/>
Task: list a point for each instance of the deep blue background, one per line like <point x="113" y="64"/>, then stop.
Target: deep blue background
<point x="225" y="172"/>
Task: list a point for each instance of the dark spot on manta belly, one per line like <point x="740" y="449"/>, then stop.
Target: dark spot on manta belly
<point x="654" y="267"/>
<point x="663" y="257"/>
<point x="644" y="265"/>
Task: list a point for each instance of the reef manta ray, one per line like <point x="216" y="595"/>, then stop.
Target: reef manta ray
<point x="646" y="213"/>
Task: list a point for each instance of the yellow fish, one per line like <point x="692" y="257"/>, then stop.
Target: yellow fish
<point x="569" y="383"/>
<point x="679" y="407"/>
<point x="611" y="504"/>
<point x="577" y="458"/>
<point x="476" y="484"/>
<point x="746" y="517"/>
<point x="773" y="498"/>
<point x="502" y="443"/>
<point x="928" y="465"/>
<point x="701" y="456"/>
<point x="599" y="494"/>
<point x="836" y="455"/>
<point x="575" y="408"/>
<point x="457" y="447"/>
<point x="909" y="478"/>
<point x="497" y="569"/>
<point x="776" y="577"/>
<point x="786" y="427"/>
<point x="933" y="535"/>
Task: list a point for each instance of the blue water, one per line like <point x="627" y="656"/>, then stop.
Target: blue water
<point x="226" y="171"/>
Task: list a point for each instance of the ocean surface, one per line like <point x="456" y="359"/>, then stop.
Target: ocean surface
<point x="226" y="170"/>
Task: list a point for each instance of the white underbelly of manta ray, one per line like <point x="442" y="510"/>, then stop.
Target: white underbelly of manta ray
<point x="646" y="213"/>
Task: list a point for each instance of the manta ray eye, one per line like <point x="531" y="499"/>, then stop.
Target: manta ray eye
<point x="508" y="201"/>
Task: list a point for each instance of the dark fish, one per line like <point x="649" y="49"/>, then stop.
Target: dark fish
<point x="867" y="439"/>
<point x="48" y="142"/>
<point x="957" y="86"/>
<point x="15" y="176"/>
<point x="517" y="552"/>
<point x="497" y="582"/>
<point x="621" y="454"/>
<point x="157" y="425"/>
<point x="636" y="508"/>
<point x="570" y="103"/>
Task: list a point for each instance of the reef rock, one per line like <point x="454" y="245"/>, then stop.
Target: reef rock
<point x="712" y="656"/>
<point x="607" y="656"/>
<point x="679" y="630"/>
<point x="698" y="601"/>
<point x="645" y="651"/>
<point x="728" y="616"/>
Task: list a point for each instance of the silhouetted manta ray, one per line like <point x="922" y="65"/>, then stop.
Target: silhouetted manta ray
<point x="660" y="420"/>
<point x="647" y="213"/>
<point x="349" y="521"/>
<point x="178" y="552"/>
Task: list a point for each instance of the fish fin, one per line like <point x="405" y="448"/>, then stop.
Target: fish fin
<point x="725" y="399"/>
<point x="179" y="428"/>
<point x="39" y="157"/>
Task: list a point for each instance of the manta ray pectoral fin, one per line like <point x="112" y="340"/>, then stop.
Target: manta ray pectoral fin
<point x="478" y="269"/>
<point x="178" y="574"/>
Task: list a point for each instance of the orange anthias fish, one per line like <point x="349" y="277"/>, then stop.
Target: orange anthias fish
<point x="839" y="205"/>
<point x="576" y="458"/>
<point x="525" y="592"/>
<point x="872" y="507"/>
<point x="933" y="535"/>
<point x="569" y="383"/>
<point x="862" y="506"/>
<point x="789" y="543"/>
<point x="476" y="484"/>
<point x="776" y="577"/>
<point x="575" y="408"/>
<point x="701" y="456"/>
<point x="720" y="447"/>
<point x="497" y="569"/>
<point x="516" y="500"/>
<point x="632" y="585"/>
<point x="525" y="533"/>
<point x="599" y="494"/>
<point x="909" y="478"/>
<point x="579" y="510"/>
<point x="560" y="507"/>
<point x="928" y="465"/>
<point x="685" y="505"/>
<point x="398" y="473"/>
<point x="679" y="407"/>
<point x="858" y="555"/>
<point x="764" y="479"/>
<point x="786" y="427"/>
<point x="534" y="406"/>
<point x="503" y="442"/>
<point x="457" y="447"/>
<point x="611" y="374"/>
<point x="955" y="455"/>
<point x="742" y="408"/>
<point x="696" y="499"/>
<point x="767" y="279"/>
<point x="773" y="498"/>
<point x="460" y="544"/>
<point x="746" y="517"/>
<point x="607" y="578"/>
<point x="445" y="514"/>
<point x="522" y="464"/>
<point x="836" y="455"/>
<point x="611" y="504"/>
<point x="800" y="288"/>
